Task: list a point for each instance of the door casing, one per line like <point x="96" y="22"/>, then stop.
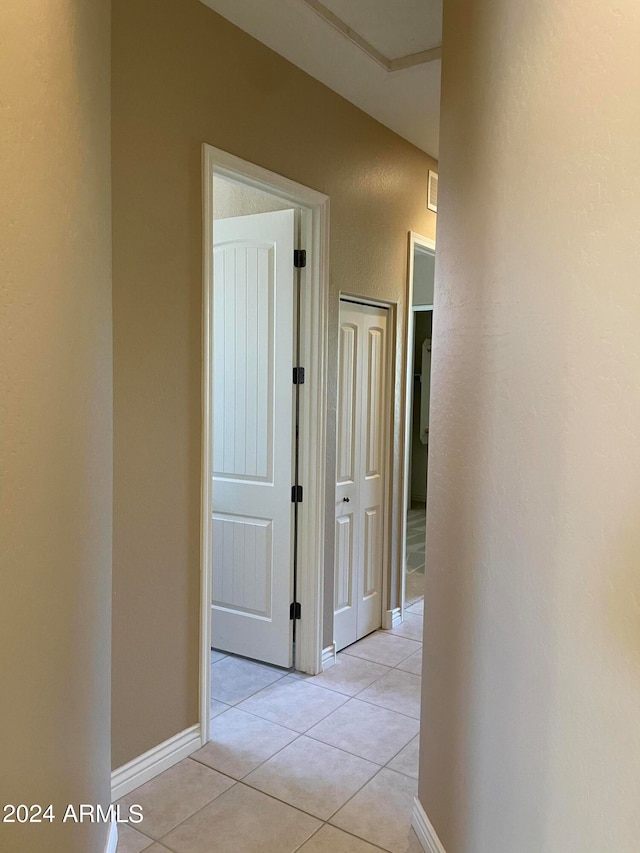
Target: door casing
<point x="314" y="237"/>
<point x="414" y="240"/>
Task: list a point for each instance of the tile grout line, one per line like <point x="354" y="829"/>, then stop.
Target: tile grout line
<point x="339" y="829"/>
<point x="257" y="767"/>
<point x="197" y="811"/>
<point x="370" y="760"/>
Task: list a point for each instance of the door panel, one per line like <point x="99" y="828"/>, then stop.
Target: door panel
<point x="243" y="408"/>
<point x="360" y="488"/>
<point x="347" y="403"/>
<point x="253" y="340"/>
<point x="344" y="562"/>
<point x="242" y="580"/>
<point x="375" y="392"/>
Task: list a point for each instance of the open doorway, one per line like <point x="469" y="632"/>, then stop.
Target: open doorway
<point x="420" y="285"/>
<point x="264" y="319"/>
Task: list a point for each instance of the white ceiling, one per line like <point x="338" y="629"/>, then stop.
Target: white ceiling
<point x="355" y="64"/>
<point x="395" y="27"/>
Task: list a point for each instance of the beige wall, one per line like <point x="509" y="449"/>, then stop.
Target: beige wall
<point x="55" y="416"/>
<point x="531" y="741"/>
<point x="183" y="76"/>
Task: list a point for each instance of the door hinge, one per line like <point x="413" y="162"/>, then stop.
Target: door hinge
<point x="295" y="610"/>
<point x="296" y="494"/>
<point x="299" y="258"/>
<point x="298" y="375"/>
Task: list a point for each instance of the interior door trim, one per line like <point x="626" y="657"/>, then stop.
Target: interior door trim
<point x="314" y="237"/>
<point x="414" y="240"/>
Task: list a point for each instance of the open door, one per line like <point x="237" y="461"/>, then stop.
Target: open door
<point x="253" y="418"/>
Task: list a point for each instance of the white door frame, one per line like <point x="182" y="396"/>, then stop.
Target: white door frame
<point x="389" y="487"/>
<point x="314" y="237"/>
<point x="414" y="240"/>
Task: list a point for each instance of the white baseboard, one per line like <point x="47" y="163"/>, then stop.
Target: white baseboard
<point x="427" y="836"/>
<point x="161" y="757"/>
<point x="328" y="656"/>
<point x="392" y="618"/>
<point x="112" y="839"/>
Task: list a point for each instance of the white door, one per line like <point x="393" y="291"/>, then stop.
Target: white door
<point x="253" y="346"/>
<point x="361" y="547"/>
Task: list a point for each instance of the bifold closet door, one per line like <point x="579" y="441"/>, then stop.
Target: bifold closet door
<point x="362" y="431"/>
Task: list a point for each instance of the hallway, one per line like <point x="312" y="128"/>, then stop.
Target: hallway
<point x="415" y="557"/>
<point x="298" y="763"/>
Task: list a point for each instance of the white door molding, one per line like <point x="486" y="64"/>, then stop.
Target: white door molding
<point x="414" y="240"/>
<point x="314" y="237"/>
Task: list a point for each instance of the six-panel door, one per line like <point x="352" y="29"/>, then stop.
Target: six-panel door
<point x="360" y="546"/>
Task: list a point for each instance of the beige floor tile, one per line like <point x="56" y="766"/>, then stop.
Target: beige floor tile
<point x="312" y="776"/>
<point x="406" y="762"/>
<point x="330" y="839"/>
<point x="132" y="841"/>
<point x="349" y="675"/>
<point x="412" y="664"/>
<point x="240" y="742"/>
<point x="411" y="627"/>
<point x="414" y="588"/>
<point x="217" y="707"/>
<point x="243" y="820"/>
<point x="176" y="794"/>
<point x="417" y="607"/>
<point x="381" y="812"/>
<point x="383" y="647"/>
<point x="235" y="679"/>
<point x="413" y="845"/>
<point x="156" y="848"/>
<point x="398" y="691"/>
<point x="366" y="730"/>
<point x="294" y="703"/>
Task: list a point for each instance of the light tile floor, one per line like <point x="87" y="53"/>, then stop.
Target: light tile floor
<point x="415" y="556"/>
<point x="298" y="763"/>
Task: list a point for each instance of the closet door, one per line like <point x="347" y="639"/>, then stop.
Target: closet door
<point x="360" y="536"/>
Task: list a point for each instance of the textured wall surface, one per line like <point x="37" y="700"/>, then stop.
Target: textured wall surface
<point x="55" y="417"/>
<point x="531" y="687"/>
<point x="183" y="76"/>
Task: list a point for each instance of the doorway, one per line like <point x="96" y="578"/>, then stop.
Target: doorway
<point x="265" y="297"/>
<point x="363" y="425"/>
<point x="420" y="287"/>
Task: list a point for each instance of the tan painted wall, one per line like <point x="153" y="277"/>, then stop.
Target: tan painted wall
<point x="55" y="417"/>
<point x="182" y="76"/>
<point x="531" y="742"/>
